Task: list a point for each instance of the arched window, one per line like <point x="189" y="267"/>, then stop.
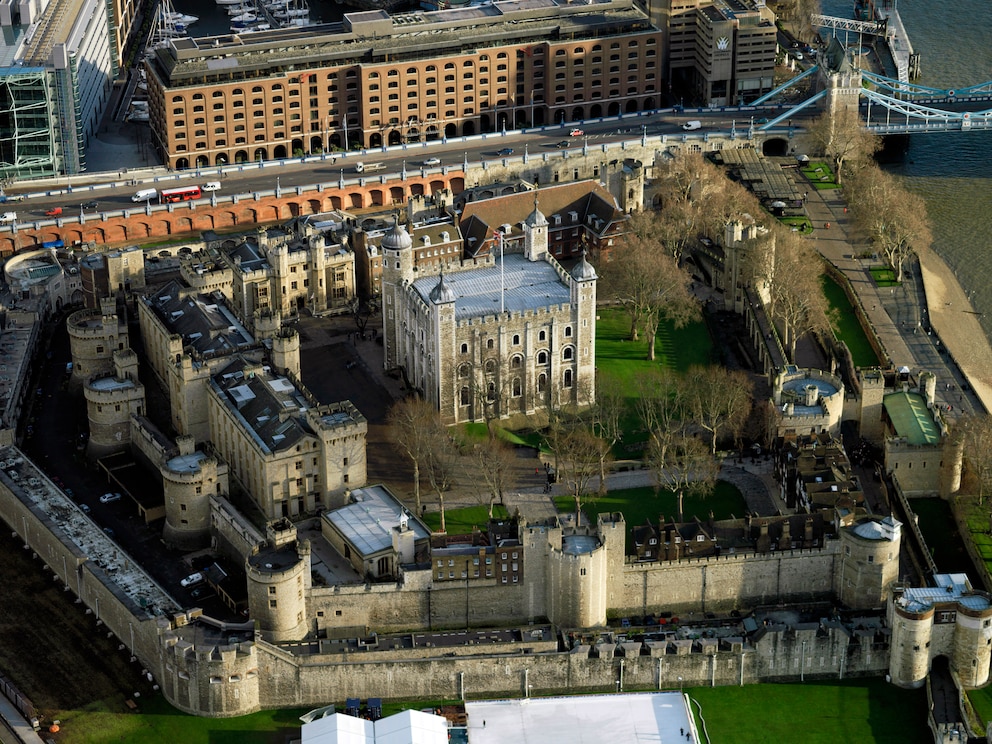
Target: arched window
<point x="464" y="395"/>
<point x="516" y="362"/>
<point x="491" y="391"/>
<point x="568" y="331"/>
<point x="542" y="336"/>
<point x="542" y="382"/>
<point x="490" y="367"/>
<point x="490" y="343"/>
<point x="568" y="353"/>
<point x="516" y="387"/>
<point x="464" y="370"/>
<point x="464" y="349"/>
<point x="516" y="339"/>
<point x="542" y="357"/>
<point x="568" y="378"/>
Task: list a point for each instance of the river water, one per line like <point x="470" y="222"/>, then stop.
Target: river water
<point x="951" y="171"/>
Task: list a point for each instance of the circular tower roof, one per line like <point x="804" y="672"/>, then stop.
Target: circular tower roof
<point x="442" y="292"/>
<point x="583" y="270"/>
<point x="397" y="238"/>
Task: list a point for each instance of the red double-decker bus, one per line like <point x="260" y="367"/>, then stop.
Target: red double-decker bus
<point x="167" y="196"/>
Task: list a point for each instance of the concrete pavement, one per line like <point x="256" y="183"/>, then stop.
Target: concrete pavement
<point x="925" y="324"/>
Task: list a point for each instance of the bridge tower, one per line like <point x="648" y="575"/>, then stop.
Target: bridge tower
<point x="842" y="79"/>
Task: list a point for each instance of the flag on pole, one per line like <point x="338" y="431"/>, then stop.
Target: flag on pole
<point x="498" y="237"/>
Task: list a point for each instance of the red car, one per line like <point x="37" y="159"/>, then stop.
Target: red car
<point x="54" y="212"/>
<point x="576" y="133"/>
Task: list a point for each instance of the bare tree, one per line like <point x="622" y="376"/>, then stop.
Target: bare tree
<point x="608" y="414"/>
<point x="494" y="460"/>
<point x="685" y="466"/>
<point x="719" y="400"/>
<point x="842" y="137"/>
<point x="893" y="218"/>
<point x="411" y="421"/>
<point x="661" y="405"/>
<point x="442" y="458"/>
<point x="797" y="300"/>
<point x="647" y="281"/>
<point x="581" y="454"/>
<point x="977" y="451"/>
<point x="363" y="310"/>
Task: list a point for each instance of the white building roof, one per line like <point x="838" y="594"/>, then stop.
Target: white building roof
<point x="406" y="727"/>
<point x="527" y="285"/>
<point x="368" y="523"/>
<point x="586" y="719"/>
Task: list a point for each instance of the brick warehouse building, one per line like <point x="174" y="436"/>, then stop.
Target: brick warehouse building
<point x="410" y="77"/>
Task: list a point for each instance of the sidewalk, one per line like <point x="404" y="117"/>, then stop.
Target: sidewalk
<point x="915" y="323"/>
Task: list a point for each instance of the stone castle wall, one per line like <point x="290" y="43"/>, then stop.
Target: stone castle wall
<point x="726" y="582"/>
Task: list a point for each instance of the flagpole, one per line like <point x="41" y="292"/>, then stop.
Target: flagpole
<point x="502" y="285"/>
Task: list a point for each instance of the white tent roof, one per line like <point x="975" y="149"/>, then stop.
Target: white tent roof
<point x="412" y="727"/>
<point x="406" y="727"/>
<point x="338" y="729"/>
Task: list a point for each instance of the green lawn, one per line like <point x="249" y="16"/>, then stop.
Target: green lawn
<point x="461" y="521"/>
<point x="820" y="174"/>
<point x="624" y="361"/>
<point x="977" y="518"/>
<point x="675" y="348"/>
<point x="158" y="722"/>
<point x="846" y="325"/>
<point x="638" y="505"/>
<point x="859" y="711"/>
<point x="884" y="276"/>
<point x="981" y="700"/>
<point x="802" y="224"/>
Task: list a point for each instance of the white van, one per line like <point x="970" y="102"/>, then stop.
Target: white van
<point x="211" y="186"/>
<point x="691" y="126"/>
<point x="145" y="195"/>
<point x="7" y="217"/>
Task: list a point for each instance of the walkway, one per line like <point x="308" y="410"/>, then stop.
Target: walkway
<point x="916" y="323"/>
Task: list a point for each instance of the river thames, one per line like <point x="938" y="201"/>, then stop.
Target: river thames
<point x="951" y="171"/>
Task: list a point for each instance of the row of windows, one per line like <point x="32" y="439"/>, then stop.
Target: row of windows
<point x="517" y="362"/>
<point x="352" y="74"/>
<point x="516" y="387"/>
<point x="515" y="339"/>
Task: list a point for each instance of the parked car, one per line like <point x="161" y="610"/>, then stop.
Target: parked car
<point x="192" y="580"/>
<point x="505" y="151"/>
<point x="432" y="162"/>
<point x="85" y="508"/>
<point x="109" y="498"/>
<point x="108" y="532"/>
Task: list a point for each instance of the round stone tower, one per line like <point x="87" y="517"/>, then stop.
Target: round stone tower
<point x="909" y="655"/>
<point x="577" y="574"/>
<point x="94" y="336"/>
<point x="278" y="583"/>
<point x="397" y="273"/>
<point x="188" y="480"/>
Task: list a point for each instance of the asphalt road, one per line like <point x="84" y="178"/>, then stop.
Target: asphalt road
<point x="114" y="193"/>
